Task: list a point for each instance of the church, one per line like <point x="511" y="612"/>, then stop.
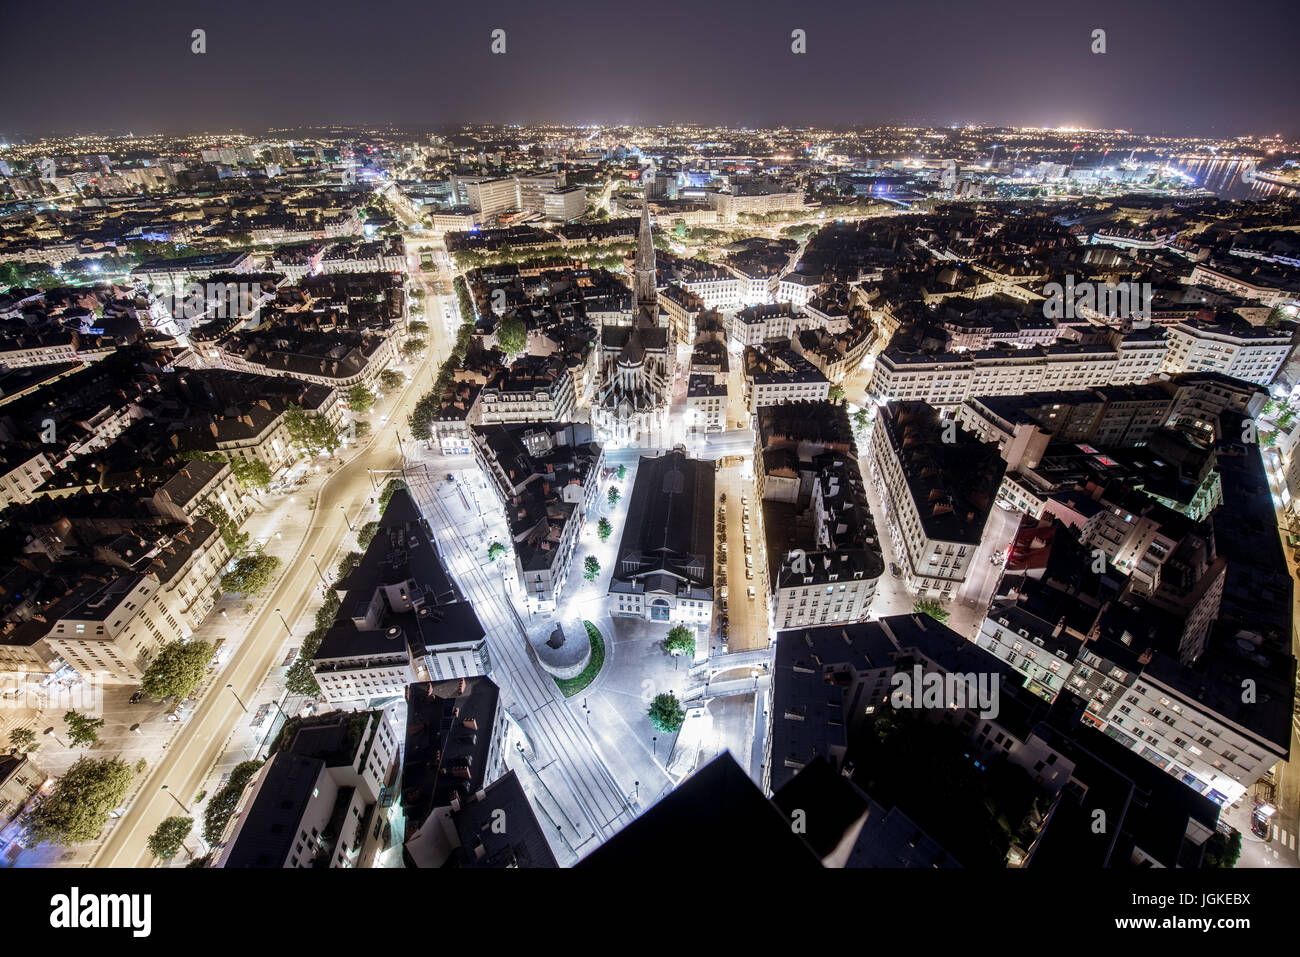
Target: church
<point x="634" y="385"/>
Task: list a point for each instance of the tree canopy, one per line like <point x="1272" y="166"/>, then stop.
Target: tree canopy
<point x="928" y="606"/>
<point x="169" y="837"/>
<point x="177" y="669"/>
<point x="361" y="399"/>
<point x="680" y="641"/>
<point x="251" y="574"/>
<point x="666" y="713"/>
<point x="311" y="432"/>
<point x="77" y="807"/>
<point x="82" y="729"/>
<point x="390" y="487"/>
<point x="512" y="335"/>
<point x="222" y="804"/>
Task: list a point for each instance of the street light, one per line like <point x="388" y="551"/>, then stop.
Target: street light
<point x="285" y="623"/>
<point x="178" y="801"/>
<point x="318" y="571"/>
<point x="654" y="744"/>
<point x="231" y="689"/>
<point x="345" y="517"/>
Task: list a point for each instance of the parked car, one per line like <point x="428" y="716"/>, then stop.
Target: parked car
<point x="895" y="571"/>
<point x="751" y="591"/>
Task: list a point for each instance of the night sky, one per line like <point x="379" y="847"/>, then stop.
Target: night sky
<point x="1183" y="67"/>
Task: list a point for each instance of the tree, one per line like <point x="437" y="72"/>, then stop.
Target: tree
<point x="82" y="729"/>
<point x="391" y="379"/>
<point x="928" y="606"/>
<point x="312" y="432"/>
<point x="666" y="713"/>
<point x="360" y="429"/>
<point x="1222" y="850"/>
<point x="252" y="573"/>
<point x="622" y="472"/>
<point x="836" y="393"/>
<point x="169" y="837"/>
<point x="251" y="472"/>
<point x="604" y="529"/>
<point x="235" y="540"/>
<point x="680" y="641"/>
<point x="495" y="551"/>
<point x="417" y="328"/>
<point x="366" y="534"/>
<point x="77" y="808"/>
<point x="590" y="568"/>
<point x="512" y="335"/>
<point x="412" y="347"/>
<point x="23" y="740"/>
<point x="348" y="562"/>
<point x="614" y="495"/>
<point x="361" y="399"/>
<point x="223" y="803"/>
<point x="392" y="486"/>
<point x="177" y="670"/>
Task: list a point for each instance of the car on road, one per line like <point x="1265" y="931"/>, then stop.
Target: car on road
<point x="137" y="697"/>
<point x="751" y="591"/>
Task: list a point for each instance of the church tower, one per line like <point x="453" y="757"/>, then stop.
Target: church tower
<point x="644" y="295"/>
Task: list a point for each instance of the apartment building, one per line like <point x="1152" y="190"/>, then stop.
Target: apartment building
<point x="546" y="478"/>
<point x="823" y="558"/>
<point x="22" y="472"/>
<point x="401" y="618"/>
<point x="321" y="799"/>
<point x="937" y="493"/>
<point x="565" y="204"/>
<point x="1240" y="350"/>
<point x="946" y="379"/>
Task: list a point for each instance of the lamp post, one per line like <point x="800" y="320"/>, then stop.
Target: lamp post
<point x="319" y="573"/>
<point x="190" y="814"/>
<point x="285" y="623"/>
<point x="177" y="800"/>
<point x="654" y="745"/>
<point x="345" y="517"/>
<point x="231" y="689"/>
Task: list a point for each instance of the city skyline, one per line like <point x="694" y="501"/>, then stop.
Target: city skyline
<point x="864" y="66"/>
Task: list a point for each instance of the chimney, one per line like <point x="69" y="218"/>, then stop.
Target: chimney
<point x="460" y="687"/>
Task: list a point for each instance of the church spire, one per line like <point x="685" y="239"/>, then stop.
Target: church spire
<point x="643" y="286"/>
